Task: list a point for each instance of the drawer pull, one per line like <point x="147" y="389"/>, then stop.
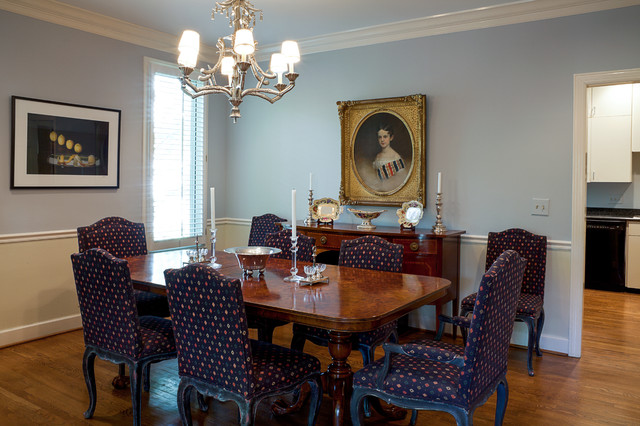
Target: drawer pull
<point x="323" y="240"/>
<point x="414" y="246"/>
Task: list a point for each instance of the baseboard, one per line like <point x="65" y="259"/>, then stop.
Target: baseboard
<point x="14" y="336"/>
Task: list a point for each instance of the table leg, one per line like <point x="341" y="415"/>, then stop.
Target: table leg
<point x="340" y="376"/>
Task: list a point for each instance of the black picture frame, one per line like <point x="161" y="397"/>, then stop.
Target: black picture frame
<point x="63" y="145"/>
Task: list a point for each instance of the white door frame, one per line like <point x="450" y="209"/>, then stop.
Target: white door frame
<point x="579" y="190"/>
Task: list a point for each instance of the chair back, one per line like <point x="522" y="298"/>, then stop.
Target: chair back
<point x="261" y="226"/>
<point x="107" y="305"/>
<point x="282" y="240"/>
<point x="118" y="236"/>
<point x="210" y="328"/>
<point x="487" y="348"/>
<point x="530" y="246"/>
<point x="371" y="252"/>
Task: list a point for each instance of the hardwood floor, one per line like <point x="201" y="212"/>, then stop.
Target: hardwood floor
<point x="41" y="382"/>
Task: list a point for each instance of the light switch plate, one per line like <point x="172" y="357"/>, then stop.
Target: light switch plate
<point x="540" y="207"/>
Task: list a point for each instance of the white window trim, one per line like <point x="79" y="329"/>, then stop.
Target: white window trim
<point x="147" y="169"/>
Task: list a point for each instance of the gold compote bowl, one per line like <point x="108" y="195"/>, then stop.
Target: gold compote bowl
<point x="367" y="217"/>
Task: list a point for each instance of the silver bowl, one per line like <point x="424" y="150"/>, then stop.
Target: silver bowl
<point x="253" y="258"/>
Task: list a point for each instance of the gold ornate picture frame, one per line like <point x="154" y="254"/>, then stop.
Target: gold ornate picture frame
<point x="383" y="150"/>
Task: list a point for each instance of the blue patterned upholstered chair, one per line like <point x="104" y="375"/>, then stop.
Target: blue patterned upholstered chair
<point x="215" y="354"/>
<point x="112" y="329"/>
<point x="123" y="238"/>
<point x="368" y="252"/>
<point x="430" y="375"/>
<point x="261" y="226"/>
<point x="282" y="240"/>
<point x="531" y="303"/>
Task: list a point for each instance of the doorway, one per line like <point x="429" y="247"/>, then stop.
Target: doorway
<point x="581" y="82"/>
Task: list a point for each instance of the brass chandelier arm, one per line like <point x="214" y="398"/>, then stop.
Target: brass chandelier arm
<point x="196" y="91"/>
<point x="266" y="93"/>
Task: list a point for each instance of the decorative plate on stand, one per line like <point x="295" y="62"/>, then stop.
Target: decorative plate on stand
<point x="409" y="214"/>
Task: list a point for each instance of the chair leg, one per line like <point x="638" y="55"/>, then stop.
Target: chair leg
<point x="297" y="342"/>
<point x="414" y="418"/>
<point x="503" y="400"/>
<point x="121" y="381"/>
<point x="184" y="403"/>
<point x="147" y="377"/>
<point x="440" y="331"/>
<point x="539" y="332"/>
<point x="90" y="379"/>
<point x="357" y="412"/>
<point x="246" y="412"/>
<point x="316" y="398"/>
<point x="531" y="326"/>
<point x="265" y="333"/>
<point x="135" y="374"/>
<point x="204" y="407"/>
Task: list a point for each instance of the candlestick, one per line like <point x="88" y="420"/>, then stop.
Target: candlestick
<point x="294" y="267"/>
<point x="439" y="183"/>
<point x="212" y="262"/>
<point x="213" y="208"/>
<point x="293" y="212"/>
<point x="439" y="228"/>
<point x="309" y="220"/>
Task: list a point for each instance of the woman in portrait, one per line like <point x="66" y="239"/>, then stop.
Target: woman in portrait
<point x="383" y="152"/>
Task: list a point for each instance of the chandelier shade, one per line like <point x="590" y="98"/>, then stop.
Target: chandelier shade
<point x="236" y="56"/>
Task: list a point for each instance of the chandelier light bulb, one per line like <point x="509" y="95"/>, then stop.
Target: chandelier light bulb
<point x="227" y="66"/>
<point x="291" y="52"/>
<point x="189" y="47"/>
<point x="243" y="42"/>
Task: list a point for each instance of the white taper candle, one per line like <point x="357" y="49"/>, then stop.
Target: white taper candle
<point x="293" y="212"/>
<point x="439" y="182"/>
<point x="310" y="181"/>
<point x="213" y="208"/>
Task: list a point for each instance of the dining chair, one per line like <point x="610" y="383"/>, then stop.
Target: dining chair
<point x="261" y="226"/>
<point x="216" y="356"/>
<point x="531" y="302"/>
<point x="281" y="240"/>
<point x="436" y="376"/>
<point x="113" y="331"/>
<point x="123" y="238"/>
<point x="367" y="252"/>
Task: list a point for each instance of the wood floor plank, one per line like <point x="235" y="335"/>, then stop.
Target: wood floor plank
<point x="41" y="381"/>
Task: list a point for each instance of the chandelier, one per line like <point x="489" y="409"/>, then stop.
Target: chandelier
<point x="235" y="58"/>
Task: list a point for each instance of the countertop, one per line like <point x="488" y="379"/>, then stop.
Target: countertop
<point x="615" y="214"/>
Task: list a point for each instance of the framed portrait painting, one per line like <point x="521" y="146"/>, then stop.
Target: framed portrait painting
<point x="60" y="145"/>
<point x="383" y="150"/>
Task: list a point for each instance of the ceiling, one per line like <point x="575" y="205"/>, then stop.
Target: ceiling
<point x="283" y="19"/>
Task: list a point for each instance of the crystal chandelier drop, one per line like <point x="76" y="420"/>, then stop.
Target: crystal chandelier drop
<point x="235" y="58"/>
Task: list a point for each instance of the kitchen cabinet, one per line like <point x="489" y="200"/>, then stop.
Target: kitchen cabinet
<point x="633" y="254"/>
<point x="609" y="133"/>
<point x="635" y="118"/>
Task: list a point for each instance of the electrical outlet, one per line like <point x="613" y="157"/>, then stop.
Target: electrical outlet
<point x="540" y="207"/>
<point x="614" y="199"/>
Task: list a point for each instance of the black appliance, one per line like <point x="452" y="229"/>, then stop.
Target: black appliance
<point x="604" y="254"/>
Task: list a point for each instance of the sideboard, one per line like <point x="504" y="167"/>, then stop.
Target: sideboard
<point x="425" y="252"/>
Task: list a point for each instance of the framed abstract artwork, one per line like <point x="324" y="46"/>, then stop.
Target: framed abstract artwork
<point x="383" y="150"/>
<point x="60" y="145"/>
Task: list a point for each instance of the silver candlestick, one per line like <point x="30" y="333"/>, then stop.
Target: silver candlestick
<point x="309" y="220"/>
<point x="213" y="263"/>
<point x="439" y="228"/>
<point x="294" y="268"/>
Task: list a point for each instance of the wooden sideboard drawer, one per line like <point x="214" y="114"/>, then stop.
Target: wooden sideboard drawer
<point x="412" y="245"/>
<point x="328" y="241"/>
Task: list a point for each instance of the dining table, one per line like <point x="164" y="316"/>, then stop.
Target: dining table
<point x="353" y="300"/>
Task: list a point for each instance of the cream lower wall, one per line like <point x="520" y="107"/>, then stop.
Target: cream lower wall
<point x="40" y="298"/>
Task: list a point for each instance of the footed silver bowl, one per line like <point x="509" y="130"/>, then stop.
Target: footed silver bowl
<point x="253" y="258"/>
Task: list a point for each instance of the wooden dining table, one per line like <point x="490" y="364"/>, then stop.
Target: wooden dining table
<point x="354" y="300"/>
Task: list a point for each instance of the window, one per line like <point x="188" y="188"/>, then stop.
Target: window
<point x="175" y="159"/>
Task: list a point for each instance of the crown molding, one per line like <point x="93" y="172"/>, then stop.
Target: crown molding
<point x="492" y="16"/>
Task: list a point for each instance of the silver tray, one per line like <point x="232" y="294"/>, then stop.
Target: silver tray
<point x="312" y="281"/>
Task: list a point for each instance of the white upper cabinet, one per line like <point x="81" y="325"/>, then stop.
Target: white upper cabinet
<point x="635" y="119"/>
<point x="609" y="133"/>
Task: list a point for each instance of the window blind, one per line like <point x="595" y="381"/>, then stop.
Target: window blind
<point x="176" y="169"/>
